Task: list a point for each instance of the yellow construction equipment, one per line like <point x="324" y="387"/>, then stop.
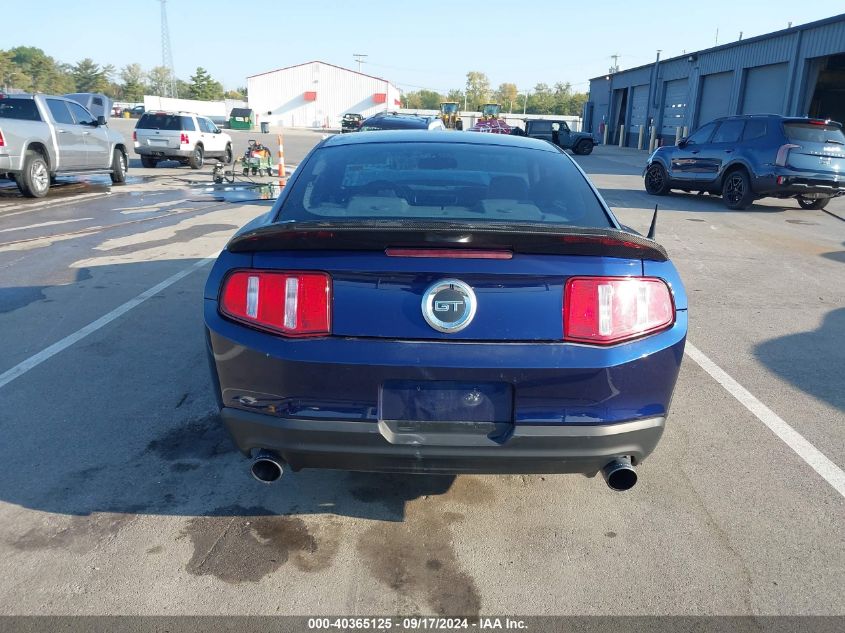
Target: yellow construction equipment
<point x="451" y="116"/>
<point x="490" y="111"/>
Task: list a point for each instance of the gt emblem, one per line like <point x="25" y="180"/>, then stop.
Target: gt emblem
<point x="448" y="305"/>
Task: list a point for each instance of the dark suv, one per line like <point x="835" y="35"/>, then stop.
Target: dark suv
<point x="747" y="157"/>
<point x="350" y="122"/>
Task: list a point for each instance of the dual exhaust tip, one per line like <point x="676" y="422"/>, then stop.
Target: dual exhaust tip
<point x="267" y="467"/>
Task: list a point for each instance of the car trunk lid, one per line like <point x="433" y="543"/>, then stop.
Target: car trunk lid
<point x="819" y="146"/>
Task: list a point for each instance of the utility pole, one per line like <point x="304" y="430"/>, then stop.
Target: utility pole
<point x="615" y="67"/>
<point x="166" y="52"/>
<point x="359" y="57"/>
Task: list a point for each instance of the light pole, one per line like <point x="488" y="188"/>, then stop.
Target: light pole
<point x="525" y="103"/>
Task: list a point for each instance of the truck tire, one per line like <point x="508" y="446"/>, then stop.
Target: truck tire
<point x="148" y="161"/>
<point x="34" y="180"/>
<point x="118" y="167"/>
<point x="584" y="147"/>
<point x="811" y="203"/>
<point x="196" y="159"/>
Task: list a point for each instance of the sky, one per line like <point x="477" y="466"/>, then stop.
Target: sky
<point x="413" y="44"/>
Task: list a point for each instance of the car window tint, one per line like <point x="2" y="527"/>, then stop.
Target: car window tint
<point x="701" y="135"/>
<point x="814" y="133"/>
<point x="754" y="128"/>
<point x="58" y="109"/>
<point x="20" y="109"/>
<point x="82" y="116"/>
<point x="98" y="101"/>
<point x="188" y="124"/>
<point x="541" y="126"/>
<point x="729" y="131"/>
<point x="446" y="181"/>
<point x="205" y="124"/>
<point x="160" y="121"/>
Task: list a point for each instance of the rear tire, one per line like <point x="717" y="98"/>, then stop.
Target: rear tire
<point x="584" y="147"/>
<point x="34" y="181"/>
<point x="196" y="160"/>
<point x="148" y="161"/>
<point x="226" y="159"/>
<point x="736" y="190"/>
<point x="656" y="180"/>
<point x="118" y="168"/>
<point x="812" y="203"/>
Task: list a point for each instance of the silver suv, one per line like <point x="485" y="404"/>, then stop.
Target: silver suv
<point x="183" y="136"/>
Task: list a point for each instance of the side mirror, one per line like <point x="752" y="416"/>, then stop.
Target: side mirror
<point x="101" y="120"/>
<point x="682" y="143"/>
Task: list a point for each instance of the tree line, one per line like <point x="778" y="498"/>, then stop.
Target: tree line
<point x="30" y="69"/>
<point x="559" y="99"/>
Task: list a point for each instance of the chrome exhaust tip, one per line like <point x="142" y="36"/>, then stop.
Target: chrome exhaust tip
<point x="620" y="474"/>
<point x="267" y="467"/>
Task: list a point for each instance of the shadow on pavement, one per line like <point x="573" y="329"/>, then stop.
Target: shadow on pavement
<point x="812" y="361"/>
<point x="124" y="421"/>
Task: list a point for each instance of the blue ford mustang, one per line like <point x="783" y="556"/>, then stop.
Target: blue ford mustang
<point x="444" y="302"/>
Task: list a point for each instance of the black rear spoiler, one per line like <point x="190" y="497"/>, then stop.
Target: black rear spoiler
<point x="378" y="235"/>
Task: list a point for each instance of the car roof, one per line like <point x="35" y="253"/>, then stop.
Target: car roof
<point x="435" y="136"/>
<point x="172" y="112"/>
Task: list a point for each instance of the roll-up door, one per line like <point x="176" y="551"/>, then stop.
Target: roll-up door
<point x="765" y="89"/>
<point x="715" y="97"/>
<point x="675" y="99"/>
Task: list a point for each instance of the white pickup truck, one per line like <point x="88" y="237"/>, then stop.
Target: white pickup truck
<point x="42" y="136"/>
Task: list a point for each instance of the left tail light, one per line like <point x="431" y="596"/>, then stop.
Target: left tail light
<point x="287" y="303"/>
<point x="2" y="140"/>
<point x="609" y="310"/>
<point x="783" y="154"/>
<point x="134" y="135"/>
<point x="184" y="140"/>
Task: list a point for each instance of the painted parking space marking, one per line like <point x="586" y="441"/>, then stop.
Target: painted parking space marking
<point x="829" y="471"/>
<point x="59" y="346"/>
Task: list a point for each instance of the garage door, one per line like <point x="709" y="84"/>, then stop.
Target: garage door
<point x="765" y="89"/>
<point x="639" y="107"/>
<point x="675" y="97"/>
<point x="715" y="97"/>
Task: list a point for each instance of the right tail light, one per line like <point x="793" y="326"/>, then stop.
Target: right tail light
<point x="609" y="310"/>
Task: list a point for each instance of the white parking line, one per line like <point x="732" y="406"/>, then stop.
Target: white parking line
<point x="831" y="473"/>
<point x="43" y="224"/>
<point x="33" y="361"/>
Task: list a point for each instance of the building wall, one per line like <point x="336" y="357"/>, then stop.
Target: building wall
<point x="279" y="97"/>
<point x="774" y="73"/>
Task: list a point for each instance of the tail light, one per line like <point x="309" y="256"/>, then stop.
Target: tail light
<point x="184" y="140"/>
<point x="2" y="140"/>
<point x="783" y="153"/>
<point x="134" y="135"/>
<point x="287" y="303"/>
<point x="607" y="310"/>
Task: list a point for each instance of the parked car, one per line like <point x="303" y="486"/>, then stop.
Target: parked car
<point x="42" y="136"/>
<point x="183" y="136"/>
<point x="396" y="121"/>
<point x="439" y="302"/>
<point x="350" y="122"/>
<point x="137" y="112"/>
<point x="748" y="157"/>
<point x="558" y="132"/>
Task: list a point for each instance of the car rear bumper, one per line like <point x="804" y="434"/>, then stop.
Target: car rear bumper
<point x="163" y="152"/>
<point x="385" y="447"/>
<point x="788" y="182"/>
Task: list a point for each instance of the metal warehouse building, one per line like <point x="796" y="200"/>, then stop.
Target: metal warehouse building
<point x="317" y="94"/>
<point x="799" y="71"/>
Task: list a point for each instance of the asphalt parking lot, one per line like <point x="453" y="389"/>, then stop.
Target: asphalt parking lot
<point x="121" y="494"/>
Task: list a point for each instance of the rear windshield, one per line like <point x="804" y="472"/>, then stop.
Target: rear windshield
<point x="21" y="109"/>
<point x="443" y="181"/>
<point x="372" y="125"/>
<point x="172" y="122"/>
<point x="814" y="133"/>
